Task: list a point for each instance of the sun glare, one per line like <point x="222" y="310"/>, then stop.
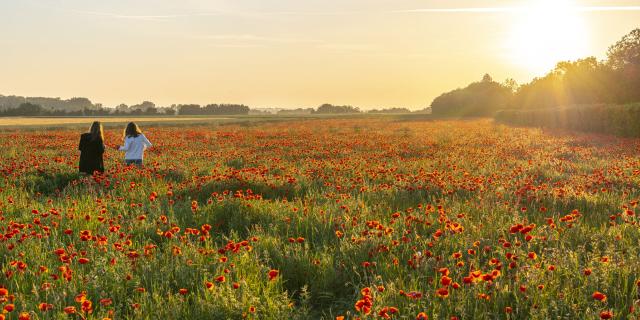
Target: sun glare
<point x="546" y="32"/>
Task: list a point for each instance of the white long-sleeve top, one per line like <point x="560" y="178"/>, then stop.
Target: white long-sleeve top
<point x="135" y="146"/>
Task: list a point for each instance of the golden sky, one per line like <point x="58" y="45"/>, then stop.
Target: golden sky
<point x="292" y="53"/>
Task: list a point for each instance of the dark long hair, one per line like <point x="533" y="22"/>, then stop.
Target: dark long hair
<point x="96" y="131"/>
<point x="132" y="130"/>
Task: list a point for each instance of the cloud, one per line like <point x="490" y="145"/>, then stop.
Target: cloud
<point x="160" y="17"/>
<point x="250" y="40"/>
<point x="515" y="9"/>
<point x="459" y="10"/>
<point x="346" y="47"/>
<point x="236" y="45"/>
<point x="256" y="14"/>
<point x="610" y="8"/>
<point x="254" y="38"/>
<point x="304" y="13"/>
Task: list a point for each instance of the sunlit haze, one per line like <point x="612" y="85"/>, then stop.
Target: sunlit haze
<point x="285" y="53"/>
<point x="547" y="32"/>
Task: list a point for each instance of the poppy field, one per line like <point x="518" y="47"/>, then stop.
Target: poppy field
<point x="323" y="219"/>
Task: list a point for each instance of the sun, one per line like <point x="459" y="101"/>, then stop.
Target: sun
<point x="546" y="32"/>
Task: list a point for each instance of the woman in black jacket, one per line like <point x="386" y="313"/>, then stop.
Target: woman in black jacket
<point x="91" y="150"/>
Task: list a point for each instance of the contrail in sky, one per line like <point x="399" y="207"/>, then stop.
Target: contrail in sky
<point x="516" y="9"/>
<point x="338" y="13"/>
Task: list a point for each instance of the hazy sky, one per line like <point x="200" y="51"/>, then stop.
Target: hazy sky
<point x="292" y="53"/>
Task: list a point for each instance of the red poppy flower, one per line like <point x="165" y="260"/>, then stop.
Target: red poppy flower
<point x="442" y="292"/>
<point x="599" y="296"/>
<point x="422" y="316"/>
<point x="45" y="306"/>
<point x="69" y="310"/>
<point x="87" y="306"/>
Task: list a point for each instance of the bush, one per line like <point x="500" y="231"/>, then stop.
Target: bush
<point x="619" y="120"/>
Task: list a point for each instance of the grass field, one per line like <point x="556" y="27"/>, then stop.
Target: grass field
<point x="323" y="219"/>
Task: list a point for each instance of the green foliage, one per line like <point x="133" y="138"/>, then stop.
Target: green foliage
<point x="482" y="98"/>
<point x="571" y="83"/>
<point x="584" y="81"/>
<point x="331" y="109"/>
<point x="48" y="183"/>
<point x="365" y="203"/>
<point x="73" y="104"/>
<point x="626" y="51"/>
<point x="588" y="81"/>
<point x="217" y="109"/>
<point x="620" y="120"/>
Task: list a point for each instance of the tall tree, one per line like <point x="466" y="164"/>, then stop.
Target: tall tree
<point x="481" y="98"/>
<point x="626" y="51"/>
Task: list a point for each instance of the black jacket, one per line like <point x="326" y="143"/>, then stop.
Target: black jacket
<point x="91" y="152"/>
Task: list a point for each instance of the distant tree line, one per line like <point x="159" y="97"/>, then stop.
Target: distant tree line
<point x="22" y="106"/>
<point x="31" y="109"/>
<point x="331" y="109"/>
<point x="39" y="106"/>
<point x="28" y="109"/>
<point x="56" y="104"/>
<point x="615" y="80"/>
<point x="481" y="98"/>
<point x="298" y="111"/>
<point x="213" y="109"/>
<point x="29" y="106"/>
<point x="390" y="111"/>
<point x="617" y="119"/>
<point x="144" y="108"/>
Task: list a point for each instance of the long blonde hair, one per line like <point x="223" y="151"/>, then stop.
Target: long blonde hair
<point x="96" y="131"/>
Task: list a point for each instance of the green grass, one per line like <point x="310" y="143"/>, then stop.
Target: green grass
<point x="335" y="206"/>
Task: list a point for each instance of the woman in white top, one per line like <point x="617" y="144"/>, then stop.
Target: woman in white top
<point x="134" y="145"/>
